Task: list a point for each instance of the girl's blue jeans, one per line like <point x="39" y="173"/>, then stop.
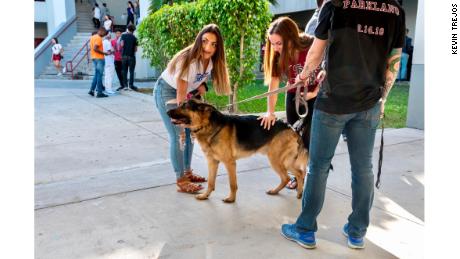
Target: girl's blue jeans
<point x="181" y="159"/>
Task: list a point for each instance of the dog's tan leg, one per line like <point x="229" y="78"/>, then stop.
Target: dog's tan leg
<point x="231" y="170"/>
<point x="281" y="171"/>
<point x="212" y="174"/>
<point x="300" y="177"/>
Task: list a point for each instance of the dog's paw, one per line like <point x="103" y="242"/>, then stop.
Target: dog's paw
<point x="229" y="200"/>
<point x="201" y="197"/>
<point x="272" y="192"/>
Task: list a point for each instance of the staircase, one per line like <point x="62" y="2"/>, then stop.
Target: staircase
<point x="84" y="17"/>
<point x="70" y="50"/>
<point x="85" y="27"/>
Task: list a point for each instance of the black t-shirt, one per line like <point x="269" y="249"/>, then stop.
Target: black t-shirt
<point x="361" y="35"/>
<point x="129" y="45"/>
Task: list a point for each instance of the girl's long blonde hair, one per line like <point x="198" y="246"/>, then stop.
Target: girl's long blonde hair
<point x="193" y="52"/>
<point x="277" y="64"/>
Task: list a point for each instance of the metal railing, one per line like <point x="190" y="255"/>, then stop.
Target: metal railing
<point x="76" y="59"/>
<point x="47" y="41"/>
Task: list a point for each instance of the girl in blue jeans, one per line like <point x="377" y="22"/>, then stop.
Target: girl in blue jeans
<point x="187" y="72"/>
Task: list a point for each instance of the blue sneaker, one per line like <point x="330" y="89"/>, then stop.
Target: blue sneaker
<point x="306" y="240"/>
<point x="353" y="242"/>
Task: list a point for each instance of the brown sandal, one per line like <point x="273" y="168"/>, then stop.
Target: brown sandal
<point x="194" y="178"/>
<point x="184" y="185"/>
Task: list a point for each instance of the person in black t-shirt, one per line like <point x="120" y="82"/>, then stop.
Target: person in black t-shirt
<point x="128" y="57"/>
<point x="363" y="42"/>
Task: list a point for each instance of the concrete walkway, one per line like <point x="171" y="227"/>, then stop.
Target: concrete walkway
<point x="104" y="188"/>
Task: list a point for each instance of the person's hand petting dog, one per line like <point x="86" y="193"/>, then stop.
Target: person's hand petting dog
<point x="267" y="120"/>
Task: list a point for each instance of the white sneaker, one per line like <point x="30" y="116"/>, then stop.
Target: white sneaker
<point x="64" y="70"/>
<point x="110" y="92"/>
<point x="59" y="74"/>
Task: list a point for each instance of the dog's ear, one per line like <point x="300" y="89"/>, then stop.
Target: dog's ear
<point x="206" y="107"/>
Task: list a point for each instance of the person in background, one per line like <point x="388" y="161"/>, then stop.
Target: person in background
<point x="108" y="24"/>
<point x="109" y="68"/>
<point x="116" y="44"/>
<point x="96" y="16"/>
<point x="97" y="55"/>
<point x="137" y="11"/>
<point x="106" y="9"/>
<point x="410" y="51"/>
<point x="130" y="14"/>
<point x="56" y="58"/>
<point x="128" y="57"/>
<point x="103" y="14"/>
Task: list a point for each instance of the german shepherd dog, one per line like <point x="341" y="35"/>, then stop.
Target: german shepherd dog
<point x="227" y="138"/>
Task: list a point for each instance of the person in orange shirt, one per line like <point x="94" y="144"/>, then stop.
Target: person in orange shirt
<point x="97" y="55"/>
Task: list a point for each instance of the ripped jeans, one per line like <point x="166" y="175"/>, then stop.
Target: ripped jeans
<point x="181" y="159"/>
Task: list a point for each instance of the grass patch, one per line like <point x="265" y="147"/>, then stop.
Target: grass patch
<point x="395" y="108"/>
<point x="255" y="106"/>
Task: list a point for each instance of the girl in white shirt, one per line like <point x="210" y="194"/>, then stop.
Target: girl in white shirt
<point x="186" y="72"/>
<point x="57" y="55"/>
<point x="108" y="24"/>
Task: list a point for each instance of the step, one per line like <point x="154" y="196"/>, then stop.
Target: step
<point x="77" y="43"/>
<point x="82" y="37"/>
<point x="53" y="71"/>
<point x="67" y="77"/>
<point x="81" y="66"/>
<point x="75" y="46"/>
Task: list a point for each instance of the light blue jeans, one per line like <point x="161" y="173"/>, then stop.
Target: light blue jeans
<point x="325" y="133"/>
<point x="180" y="159"/>
<point x="98" y="65"/>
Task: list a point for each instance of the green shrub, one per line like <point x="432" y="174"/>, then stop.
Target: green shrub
<point x="168" y="30"/>
<point x="242" y="23"/>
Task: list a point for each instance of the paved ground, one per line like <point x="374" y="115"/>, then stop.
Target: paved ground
<point x="104" y="188"/>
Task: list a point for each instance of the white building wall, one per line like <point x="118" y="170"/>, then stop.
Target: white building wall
<point x="291" y="6"/>
<point x="419" y="42"/>
<point x="41" y="13"/>
<point x="54" y="12"/>
<point x="416" y="105"/>
<point x="70" y="8"/>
